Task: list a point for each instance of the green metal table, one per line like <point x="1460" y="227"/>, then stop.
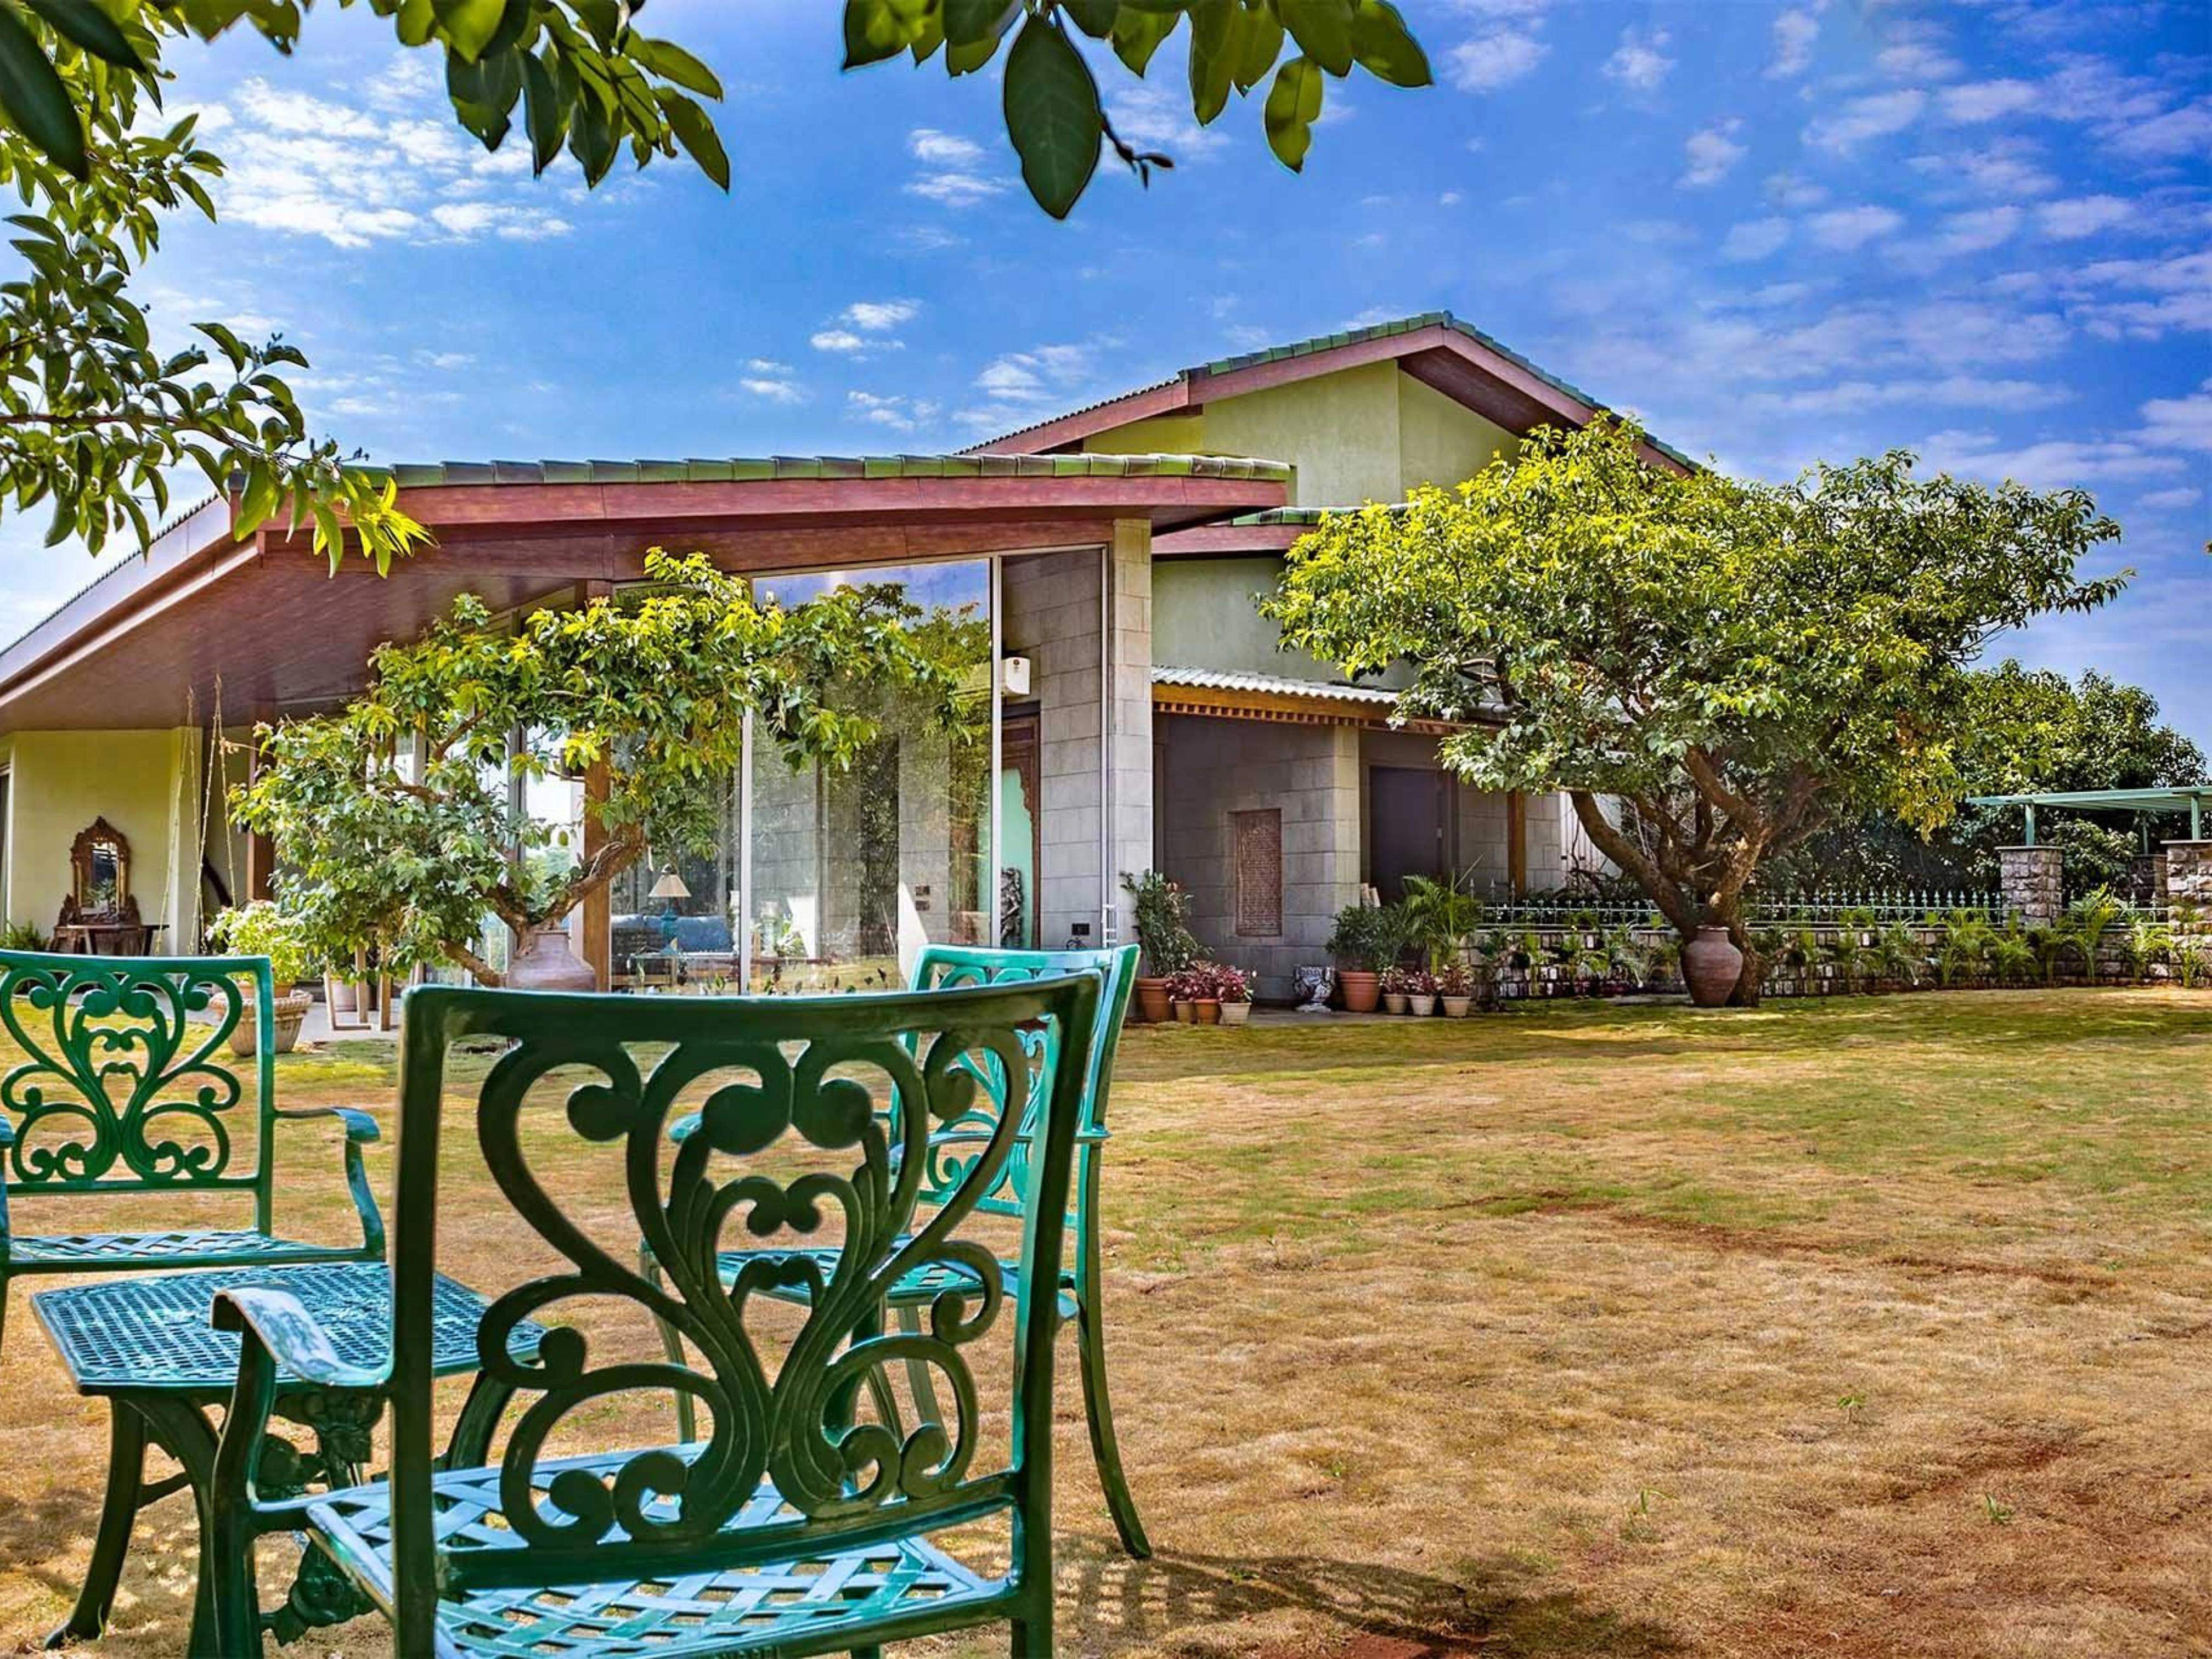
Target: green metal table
<point x="146" y="1346"/>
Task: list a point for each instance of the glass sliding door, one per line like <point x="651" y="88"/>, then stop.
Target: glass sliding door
<point x="853" y="872"/>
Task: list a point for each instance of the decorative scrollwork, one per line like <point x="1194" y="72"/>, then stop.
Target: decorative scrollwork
<point x="120" y="1070"/>
<point x="800" y="1426"/>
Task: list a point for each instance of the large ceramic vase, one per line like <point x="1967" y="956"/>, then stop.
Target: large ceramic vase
<point x="544" y="961"/>
<point x="1361" y="989"/>
<point x="1711" y="967"/>
<point x="290" y="1009"/>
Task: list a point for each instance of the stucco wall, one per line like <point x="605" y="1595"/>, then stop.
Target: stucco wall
<point x="145" y="783"/>
<point x="1206" y="615"/>
<point x="1209" y="769"/>
<point x="1442" y="442"/>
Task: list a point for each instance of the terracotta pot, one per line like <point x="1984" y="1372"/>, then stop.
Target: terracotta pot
<point x="290" y="1009"/>
<point x="1235" y="1013"/>
<point x="1711" y="965"/>
<point x="543" y="961"/>
<point x="1359" y="988"/>
<point x="1152" y="1001"/>
<point x="1185" y="1011"/>
<point x="1457" y="1008"/>
<point x="1207" y="1011"/>
<point x="1423" y="1005"/>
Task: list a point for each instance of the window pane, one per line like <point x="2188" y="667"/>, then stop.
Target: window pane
<point x="853" y="872"/>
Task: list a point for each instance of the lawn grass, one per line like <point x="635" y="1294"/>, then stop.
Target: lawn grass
<point x="1876" y="1326"/>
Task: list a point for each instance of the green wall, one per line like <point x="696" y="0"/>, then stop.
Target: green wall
<point x="1442" y="442"/>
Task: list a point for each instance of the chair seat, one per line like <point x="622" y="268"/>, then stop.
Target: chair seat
<point x="79" y="1253"/>
<point x="917" y="1287"/>
<point x="744" y="1610"/>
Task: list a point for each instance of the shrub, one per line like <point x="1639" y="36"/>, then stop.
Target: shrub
<point x="1160" y="912"/>
<point x="264" y="928"/>
<point x="1364" y="938"/>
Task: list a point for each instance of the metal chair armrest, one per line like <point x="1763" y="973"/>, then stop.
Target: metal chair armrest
<point x="7" y="1130"/>
<point x="276" y="1327"/>
<point x="360" y="1128"/>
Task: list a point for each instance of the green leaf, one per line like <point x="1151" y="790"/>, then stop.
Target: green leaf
<point x="1214" y="38"/>
<point x="84" y="24"/>
<point x="1093" y="17"/>
<point x="1260" y="45"/>
<point x="697" y="134"/>
<point x="1386" y="48"/>
<point x="1323" y="29"/>
<point x="468" y="24"/>
<point x="1053" y="116"/>
<point x="1293" y="105"/>
<point x="542" y="113"/>
<point x="1138" y="34"/>
<point x="873" y="32"/>
<point x="673" y="63"/>
<point x="33" y="98"/>
<point x="968" y="21"/>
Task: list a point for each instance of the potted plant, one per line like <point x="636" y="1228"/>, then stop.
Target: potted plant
<point x="1206" y="988"/>
<point x="1456" y="988"/>
<point x="1421" y="991"/>
<point x="264" y="928"/>
<point x="1184" y="989"/>
<point x="1159" y="912"/>
<point x="1234" y="987"/>
<point x="1359" y="943"/>
<point x="1397" y="988"/>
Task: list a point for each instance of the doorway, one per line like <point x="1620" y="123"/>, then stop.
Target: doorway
<point x="1405" y="826"/>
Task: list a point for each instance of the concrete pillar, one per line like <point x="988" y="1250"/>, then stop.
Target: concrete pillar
<point x="2032" y="882"/>
<point x="1128" y="656"/>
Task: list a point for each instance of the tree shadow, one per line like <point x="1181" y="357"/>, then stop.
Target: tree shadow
<point x="1489" y="1604"/>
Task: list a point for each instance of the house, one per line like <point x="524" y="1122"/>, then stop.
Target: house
<point x="1100" y="568"/>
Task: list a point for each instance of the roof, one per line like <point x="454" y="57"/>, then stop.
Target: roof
<point x="1542" y="393"/>
<point x="1221" y="679"/>
<point x="2177" y="798"/>
<point x="437" y="475"/>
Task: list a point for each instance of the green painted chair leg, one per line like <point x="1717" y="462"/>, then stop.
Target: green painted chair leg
<point x="917" y="1370"/>
<point x="1105" y="1449"/>
<point x="126" y="1471"/>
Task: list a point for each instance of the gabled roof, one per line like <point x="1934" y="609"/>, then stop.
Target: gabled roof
<point x="1435" y="348"/>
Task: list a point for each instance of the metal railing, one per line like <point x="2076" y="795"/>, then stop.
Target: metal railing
<point x="1883" y="905"/>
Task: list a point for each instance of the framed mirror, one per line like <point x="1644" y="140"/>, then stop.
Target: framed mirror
<point x="100" y="869"/>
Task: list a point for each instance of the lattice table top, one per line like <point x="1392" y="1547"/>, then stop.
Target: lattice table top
<point x="130" y="1335"/>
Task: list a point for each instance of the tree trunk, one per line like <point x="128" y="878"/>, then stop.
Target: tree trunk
<point x="1753" y="979"/>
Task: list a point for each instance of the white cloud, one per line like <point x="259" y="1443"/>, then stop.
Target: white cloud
<point x="445" y="361"/>
<point x="2186" y="131"/>
<point x="879" y="316"/>
<point x="1754" y="239"/>
<point x="772" y="390"/>
<point x="951" y="175"/>
<point x="1640" y="61"/>
<point x="1710" y="153"/>
<point x="2179" y="422"/>
<point x="381" y="163"/>
<point x="1914" y="52"/>
<point x="1019" y="386"/>
<point x="1856" y="397"/>
<point x="1153" y="118"/>
<point x="2104" y="296"/>
<point x="1794" y="32"/>
<point x="2007" y="167"/>
<point x="898" y="412"/>
<point x="1789" y="190"/>
<point x="1870" y="116"/>
<point x="839" y="340"/>
<point x="1978" y="229"/>
<point x="1846" y="228"/>
<point x="1494" y="60"/>
<point x="2166" y="501"/>
<point x="767" y="366"/>
<point x="2055" y="464"/>
<point x="2082" y="215"/>
<point x="1988" y="100"/>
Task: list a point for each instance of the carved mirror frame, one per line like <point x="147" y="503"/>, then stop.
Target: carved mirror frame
<point x="98" y="833"/>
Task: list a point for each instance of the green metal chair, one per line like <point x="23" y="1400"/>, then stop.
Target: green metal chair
<point x="128" y="1086"/>
<point x="800" y="1524"/>
<point x="1081" y="1299"/>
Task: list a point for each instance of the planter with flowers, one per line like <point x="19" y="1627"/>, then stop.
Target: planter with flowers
<point x="1234" y="987"/>
<point x="263" y="929"/>
<point x="1456" y="988"/>
<point x="1193" y="996"/>
<point x="1397" y="986"/>
<point x="1421" y="992"/>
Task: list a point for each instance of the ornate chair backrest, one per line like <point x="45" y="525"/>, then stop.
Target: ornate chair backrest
<point x="945" y="967"/>
<point x="788" y="1082"/>
<point x="128" y="1083"/>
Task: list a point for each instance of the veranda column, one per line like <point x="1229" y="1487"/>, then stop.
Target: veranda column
<point x="2032" y="883"/>
<point x="595" y="940"/>
<point x="2189" y="885"/>
<point x="1126" y="651"/>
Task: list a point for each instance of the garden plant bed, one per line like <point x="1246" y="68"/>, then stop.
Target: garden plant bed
<point x="1873" y="1326"/>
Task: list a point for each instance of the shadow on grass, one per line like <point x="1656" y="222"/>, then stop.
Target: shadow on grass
<point x="1491" y="1604"/>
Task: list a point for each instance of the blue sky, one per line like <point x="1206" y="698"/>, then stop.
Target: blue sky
<point x="1981" y="231"/>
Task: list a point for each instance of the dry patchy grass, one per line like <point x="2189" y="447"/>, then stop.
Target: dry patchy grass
<point x="1872" y="1326"/>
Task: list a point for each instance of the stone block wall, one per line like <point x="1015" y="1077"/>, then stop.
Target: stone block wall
<point x="2032" y="881"/>
<point x="1210" y="769"/>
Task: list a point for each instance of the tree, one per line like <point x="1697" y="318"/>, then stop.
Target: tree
<point x="1736" y="663"/>
<point x="395" y="819"/>
<point x="93" y="419"/>
<point x="2031" y="730"/>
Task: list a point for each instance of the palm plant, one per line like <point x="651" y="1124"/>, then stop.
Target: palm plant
<point x="1846" y="949"/>
<point x="1442" y="916"/>
<point x="1968" y="940"/>
<point x="2088" y="919"/>
<point x="2147" y="940"/>
<point x="1899" y="954"/>
<point x="2012" y="952"/>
